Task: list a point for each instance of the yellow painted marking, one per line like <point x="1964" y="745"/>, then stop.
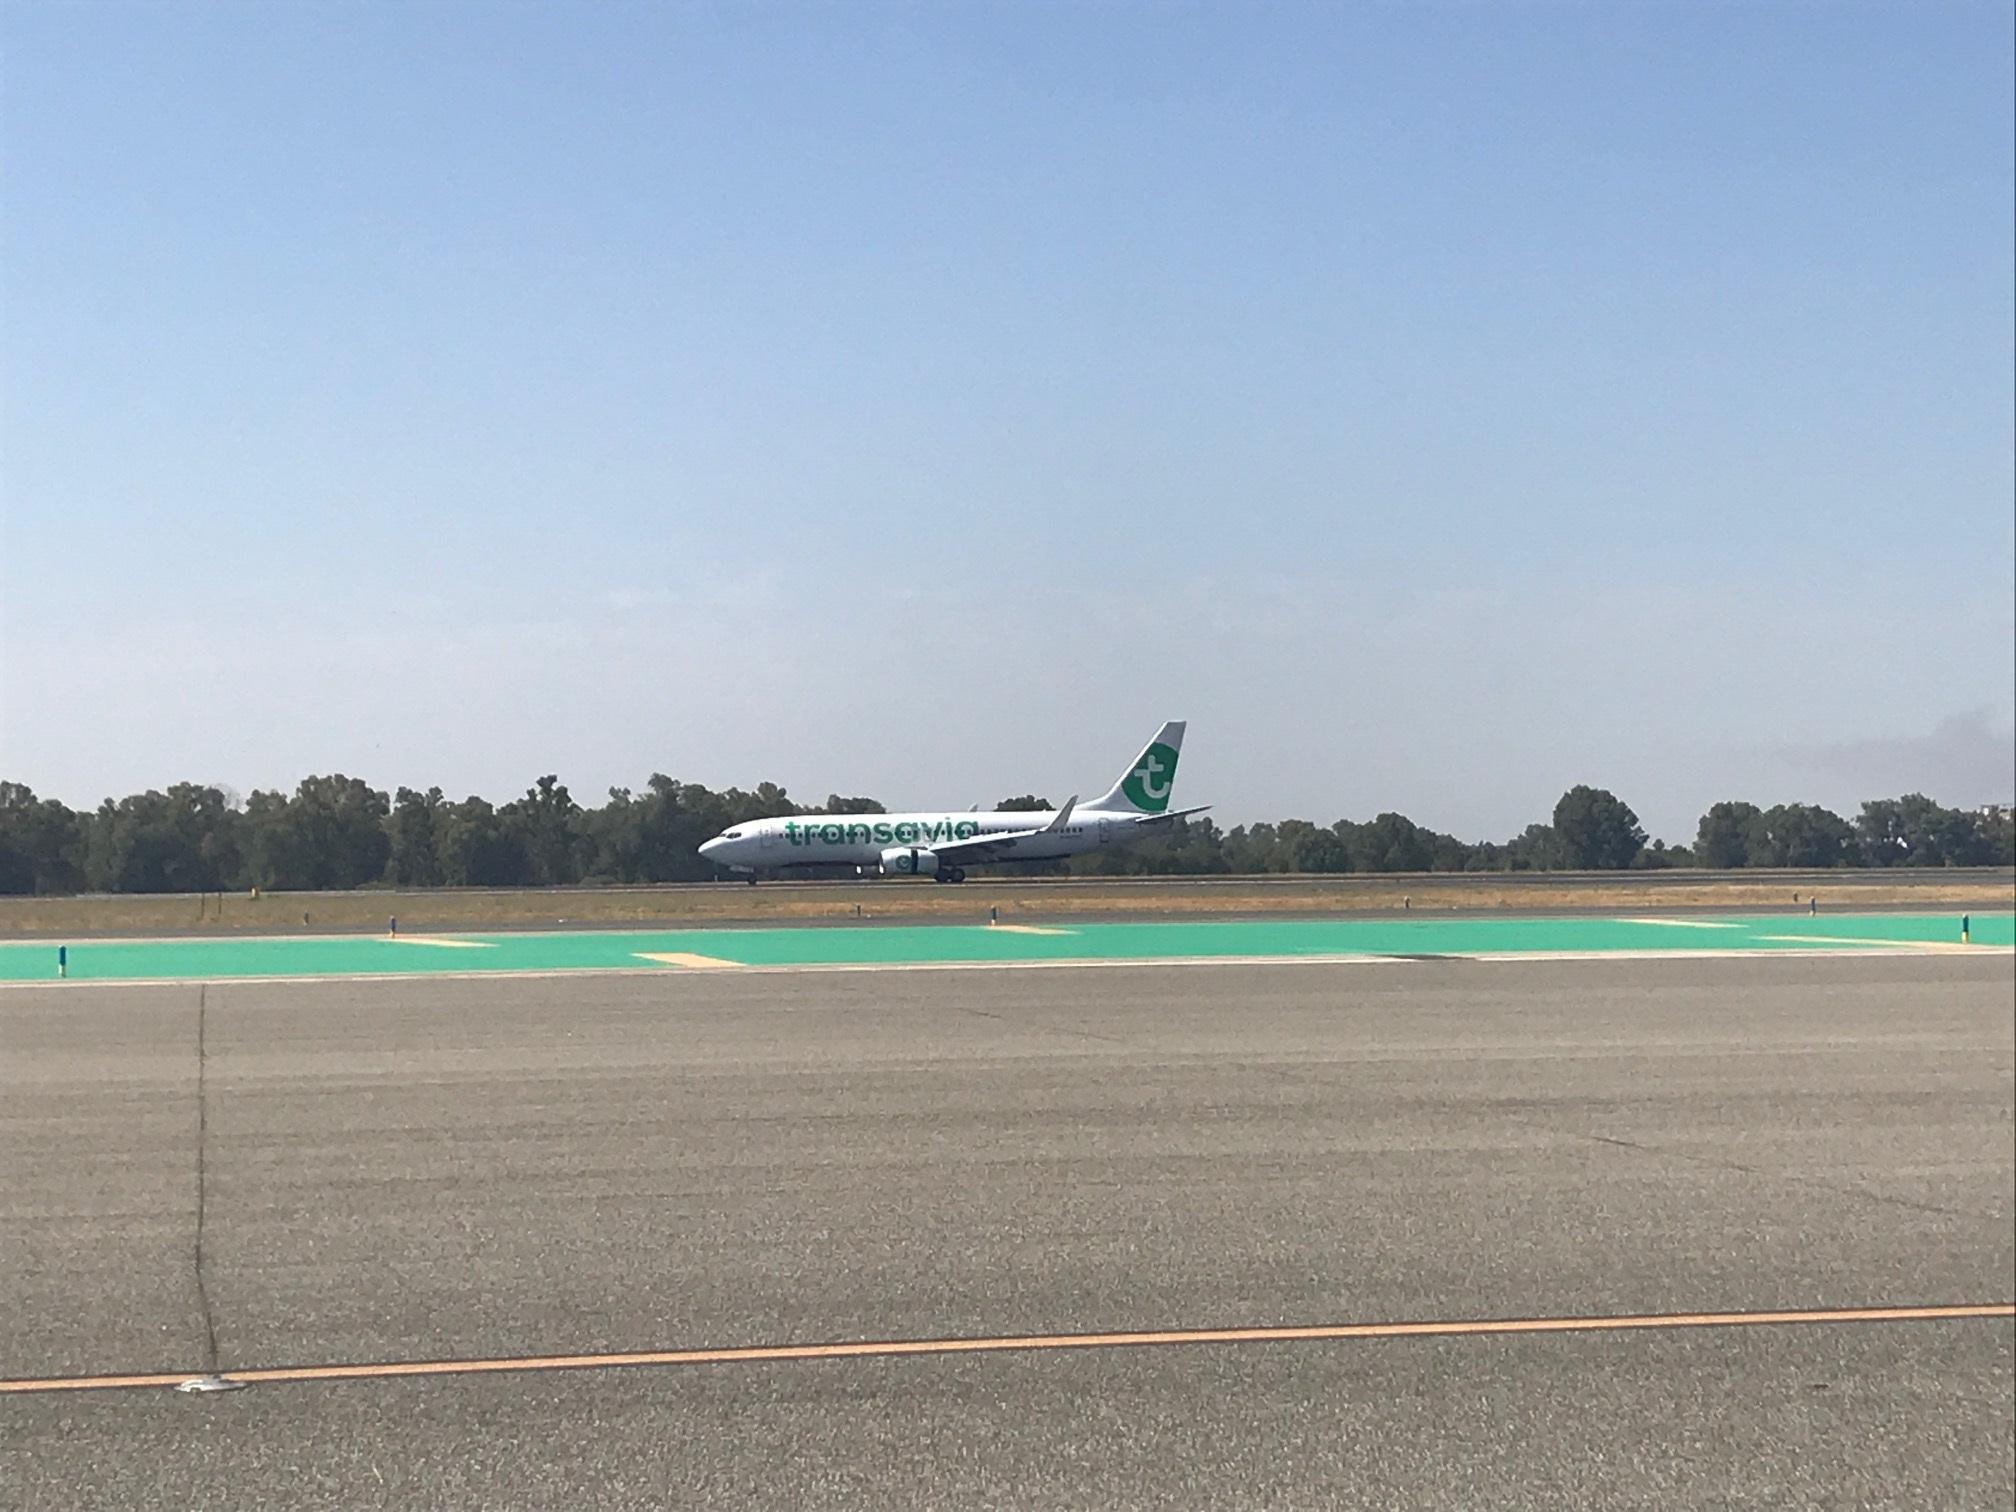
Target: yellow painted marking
<point x="687" y="959"/>
<point x="1036" y="929"/>
<point x="891" y="1348"/>
<point x="435" y="940"/>
<point x="1682" y="923"/>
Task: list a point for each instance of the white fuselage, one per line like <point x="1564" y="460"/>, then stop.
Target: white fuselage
<point x="862" y="839"/>
<point x="944" y="845"/>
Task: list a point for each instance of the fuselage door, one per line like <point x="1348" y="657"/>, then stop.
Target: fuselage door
<point x="1105" y="831"/>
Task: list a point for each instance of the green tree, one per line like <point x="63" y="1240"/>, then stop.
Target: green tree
<point x="183" y="840"/>
<point x="544" y="823"/>
<point x="1915" y="831"/>
<point x="1597" y="830"/>
<point x="337" y="831"/>
<point x="1194" y="847"/>
<point x="1248" y="851"/>
<point x="1322" y="850"/>
<point x="835" y="804"/>
<point x="1654" y="857"/>
<point x="414" y="857"/>
<point x="1536" y="848"/>
<point x="1392" y="843"/>
<point x="677" y="818"/>
<point x="477" y="848"/>
<point x="342" y="821"/>
<point x="329" y="836"/>
<point x="1797" y="834"/>
<point x="1997" y="827"/>
<point x="1722" y="840"/>
<point x="274" y="847"/>
<point x="1489" y="856"/>
<point x="1879" y="833"/>
<point x="41" y="843"/>
<point x="1027" y="803"/>
<point x="612" y="839"/>
<point x="1956" y="838"/>
<point x="1448" y="854"/>
<point x="1291" y="842"/>
<point x="674" y="817"/>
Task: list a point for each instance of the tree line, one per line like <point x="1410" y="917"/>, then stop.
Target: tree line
<point x="338" y="832"/>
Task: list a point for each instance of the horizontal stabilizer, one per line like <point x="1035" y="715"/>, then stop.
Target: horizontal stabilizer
<point x="1172" y="814"/>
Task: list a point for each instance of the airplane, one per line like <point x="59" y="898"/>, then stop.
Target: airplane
<point x="942" y="846"/>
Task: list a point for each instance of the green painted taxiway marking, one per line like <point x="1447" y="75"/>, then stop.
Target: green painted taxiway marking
<point x="938" y="944"/>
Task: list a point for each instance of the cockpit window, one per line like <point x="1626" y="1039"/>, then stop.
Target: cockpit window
<point x="734" y="834"/>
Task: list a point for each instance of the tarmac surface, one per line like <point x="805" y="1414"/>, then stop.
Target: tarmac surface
<point x="885" y="946"/>
<point x="462" y="1170"/>
<point x="1018" y="895"/>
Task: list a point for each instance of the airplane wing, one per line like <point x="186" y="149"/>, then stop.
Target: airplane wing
<point x="994" y="847"/>
<point x="998" y="846"/>
<point x="982" y="847"/>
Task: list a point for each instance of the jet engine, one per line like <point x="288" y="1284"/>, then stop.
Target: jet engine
<point x="909" y="861"/>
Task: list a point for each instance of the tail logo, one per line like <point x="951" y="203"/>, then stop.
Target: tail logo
<point x="1147" y="787"/>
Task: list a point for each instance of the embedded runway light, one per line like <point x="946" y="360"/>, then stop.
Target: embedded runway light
<point x="204" y="1385"/>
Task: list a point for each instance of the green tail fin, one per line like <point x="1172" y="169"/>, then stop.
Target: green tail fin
<point x="1145" y="787"/>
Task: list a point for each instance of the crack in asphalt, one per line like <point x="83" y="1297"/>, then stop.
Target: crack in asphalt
<point x="1817" y="1183"/>
<point x="202" y="1177"/>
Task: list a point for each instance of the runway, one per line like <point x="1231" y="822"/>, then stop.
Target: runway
<point x="1276" y="1161"/>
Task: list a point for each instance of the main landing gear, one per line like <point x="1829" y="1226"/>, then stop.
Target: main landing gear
<point x="952" y="874"/>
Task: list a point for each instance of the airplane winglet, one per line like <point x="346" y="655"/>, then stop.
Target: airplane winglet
<point x="1063" y="815"/>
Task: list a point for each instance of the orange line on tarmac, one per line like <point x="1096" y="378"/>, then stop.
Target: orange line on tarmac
<point x="755" y="1354"/>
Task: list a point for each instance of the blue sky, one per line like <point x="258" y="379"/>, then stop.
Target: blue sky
<point x="1437" y="405"/>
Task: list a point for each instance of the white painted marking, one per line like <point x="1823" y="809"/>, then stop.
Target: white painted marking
<point x="443" y="944"/>
<point x="687" y="959"/>
<point x="1069" y="965"/>
<point x="1891" y="944"/>
<point x="1682" y="923"/>
<point x="1035" y="929"/>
